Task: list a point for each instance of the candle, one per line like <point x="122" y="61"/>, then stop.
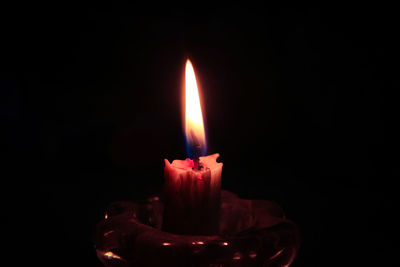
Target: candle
<point x="192" y="186"/>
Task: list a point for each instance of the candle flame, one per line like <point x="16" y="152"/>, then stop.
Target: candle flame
<point x="194" y="127"/>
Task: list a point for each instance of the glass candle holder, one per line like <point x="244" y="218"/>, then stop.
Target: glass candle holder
<point x="251" y="233"/>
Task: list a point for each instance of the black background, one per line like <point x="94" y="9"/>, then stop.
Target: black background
<point x="301" y="104"/>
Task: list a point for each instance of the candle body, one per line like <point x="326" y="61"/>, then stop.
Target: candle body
<point x="192" y="197"/>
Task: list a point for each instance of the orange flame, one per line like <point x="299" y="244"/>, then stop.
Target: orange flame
<point x="194" y="127"/>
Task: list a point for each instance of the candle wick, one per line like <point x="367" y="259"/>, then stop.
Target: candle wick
<point x="196" y="158"/>
<point x="196" y="152"/>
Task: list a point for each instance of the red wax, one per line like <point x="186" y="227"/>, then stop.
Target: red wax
<point x="192" y="197"/>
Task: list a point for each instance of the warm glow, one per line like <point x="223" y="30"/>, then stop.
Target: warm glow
<point x="194" y="128"/>
<point x="111" y="255"/>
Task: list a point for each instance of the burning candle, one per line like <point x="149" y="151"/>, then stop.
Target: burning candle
<point x="192" y="186"/>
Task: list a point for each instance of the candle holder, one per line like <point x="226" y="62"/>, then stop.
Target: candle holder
<point x="251" y="233"/>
